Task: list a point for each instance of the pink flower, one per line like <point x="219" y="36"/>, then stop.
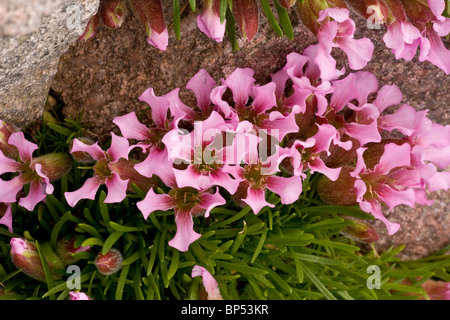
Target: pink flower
<point x="257" y="177"/>
<point x="437" y="290"/>
<point x="103" y="171"/>
<point x="201" y="150"/>
<point x="210" y="284"/>
<point x="29" y="171"/>
<point x="74" y="295"/>
<point x="340" y="33"/>
<point x="209" y="21"/>
<point x="391" y="181"/>
<point x="186" y="202"/>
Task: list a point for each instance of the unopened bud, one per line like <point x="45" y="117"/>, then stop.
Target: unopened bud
<point x="47" y="117"/>
<point x="54" y="165"/>
<point x="109" y="263"/>
<point x="74" y="295"/>
<point x="91" y="28"/>
<point x="360" y="231"/>
<point x="339" y="192"/>
<point x="65" y="250"/>
<point x="247" y="15"/>
<point x="25" y="256"/>
<point x="81" y="156"/>
<point x="437" y="290"/>
<point x="396" y="9"/>
<point x="112" y="13"/>
<point x="417" y="12"/>
<point x="125" y="169"/>
<point x="287" y="3"/>
<point x="8" y="150"/>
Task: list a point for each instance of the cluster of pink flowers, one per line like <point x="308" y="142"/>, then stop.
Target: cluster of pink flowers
<point x="246" y="138"/>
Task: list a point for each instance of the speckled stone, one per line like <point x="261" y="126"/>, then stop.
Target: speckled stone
<point x="28" y="61"/>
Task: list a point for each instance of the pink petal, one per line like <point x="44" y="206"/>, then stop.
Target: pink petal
<point x="421" y="198"/>
<point x="185" y="233"/>
<point x="223" y="179"/>
<point x="318" y="165"/>
<point x="256" y="199"/>
<point x="388" y="95"/>
<point x="361" y="189"/>
<point x="158" y="105"/>
<point x="359" y="51"/>
<point x="437" y="7"/>
<point x="209" y="23"/>
<point x="393" y="197"/>
<point x="364" y="133"/>
<point x="216" y="99"/>
<point x="120" y="147"/>
<point x="288" y="189"/>
<point x="7" y="218"/>
<point x="154" y="202"/>
<point x="404" y="120"/>
<point x="9" y="189"/>
<point x="210" y="284"/>
<point x="394" y="156"/>
<point x="25" y="147"/>
<point x="264" y="97"/>
<point x="325" y="135"/>
<point x="159" y="40"/>
<point x="326" y="63"/>
<point x="7" y="164"/>
<point x="360" y="164"/>
<point x="93" y="150"/>
<point x="442" y="28"/>
<point x="439" y="181"/>
<point x="78" y="296"/>
<point x="440" y="156"/>
<point x="345" y="91"/>
<point x="44" y="179"/>
<point x="87" y="191"/>
<point x="155" y="162"/>
<point x="378" y="214"/>
<point x="209" y="201"/>
<point x="190" y="177"/>
<point x="241" y="83"/>
<point x="438" y="55"/>
<point x="117" y="188"/>
<point x="280" y="125"/>
<point x="35" y="195"/>
<point x="202" y="84"/>
<point x="295" y="64"/>
<point x="337" y="14"/>
<point x="131" y="128"/>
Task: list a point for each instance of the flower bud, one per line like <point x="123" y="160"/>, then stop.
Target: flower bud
<point x="47" y="117"/>
<point x="112" y="13"/>
<point x="396" y="9"/>
<point x="25" y="256"/>
<point x="81" y="156"/>
<point x="110" y="263"/>
<point x="247" y="15"/>
<point x="437" y="290"/>
<point x="78" y="296"/>
<point x="8" y="150"/>
<point x="65" y="249"/>
<point x="54" y="165"/>
<point x="338" y="156"/>
<point x="417" y="12"/>
<point x="91" y="28"/>
<point x="287" y="3"/>
<point x="360" y="231"/>
<point x="125" y="169"/>
<point x="339" y="192"/>
<point x="151" y="16"/>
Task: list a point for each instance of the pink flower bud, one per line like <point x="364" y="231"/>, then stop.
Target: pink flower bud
<point x="65" y="249"/>
<point x="151" y="16"/>
<point x="287" y="3"/>
<point x="247" y="14"/>
<point x="91" y="28"/>
<point x="437" y="290"/>
<point x="209" y="283"/>
<point x="112" y="13"/>
<point x="54" y="165"/>
<point x="25" y="256"/>
<point x="125" y="169"/>
<point x="78" y="296"/>
<point x="110" y="263"/>
<point x="361" y="231"/>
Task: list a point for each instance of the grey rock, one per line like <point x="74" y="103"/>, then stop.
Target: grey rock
<point x="28" y="61"/>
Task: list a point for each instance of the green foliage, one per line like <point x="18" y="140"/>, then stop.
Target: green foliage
<point x="292" y="251"/>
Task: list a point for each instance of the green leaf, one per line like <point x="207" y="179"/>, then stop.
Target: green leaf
<point x="337" y="245"/>
<point x="61" y="130"/>
<point x="230" y="29"/>
<point x="176" y="18"/>
<point x="103" y="208"/>
<point x="240" y="267"/>
<point x="82" y="227"/>
<point x="110" y="241"/>
<point x="271" y="18"/>
<point x="118" y="227"/>
<point x="47" y="272"/>
<point x="192" y="5"/>
<point x="260" y="245"/>
<point x="319" y="285"/>
<point x="173" y="264"/>
<point x="121" y="282"/>
<point x="223" y="10"/>
<point x="92" y="242"/>
<point x="284" y="20"/>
